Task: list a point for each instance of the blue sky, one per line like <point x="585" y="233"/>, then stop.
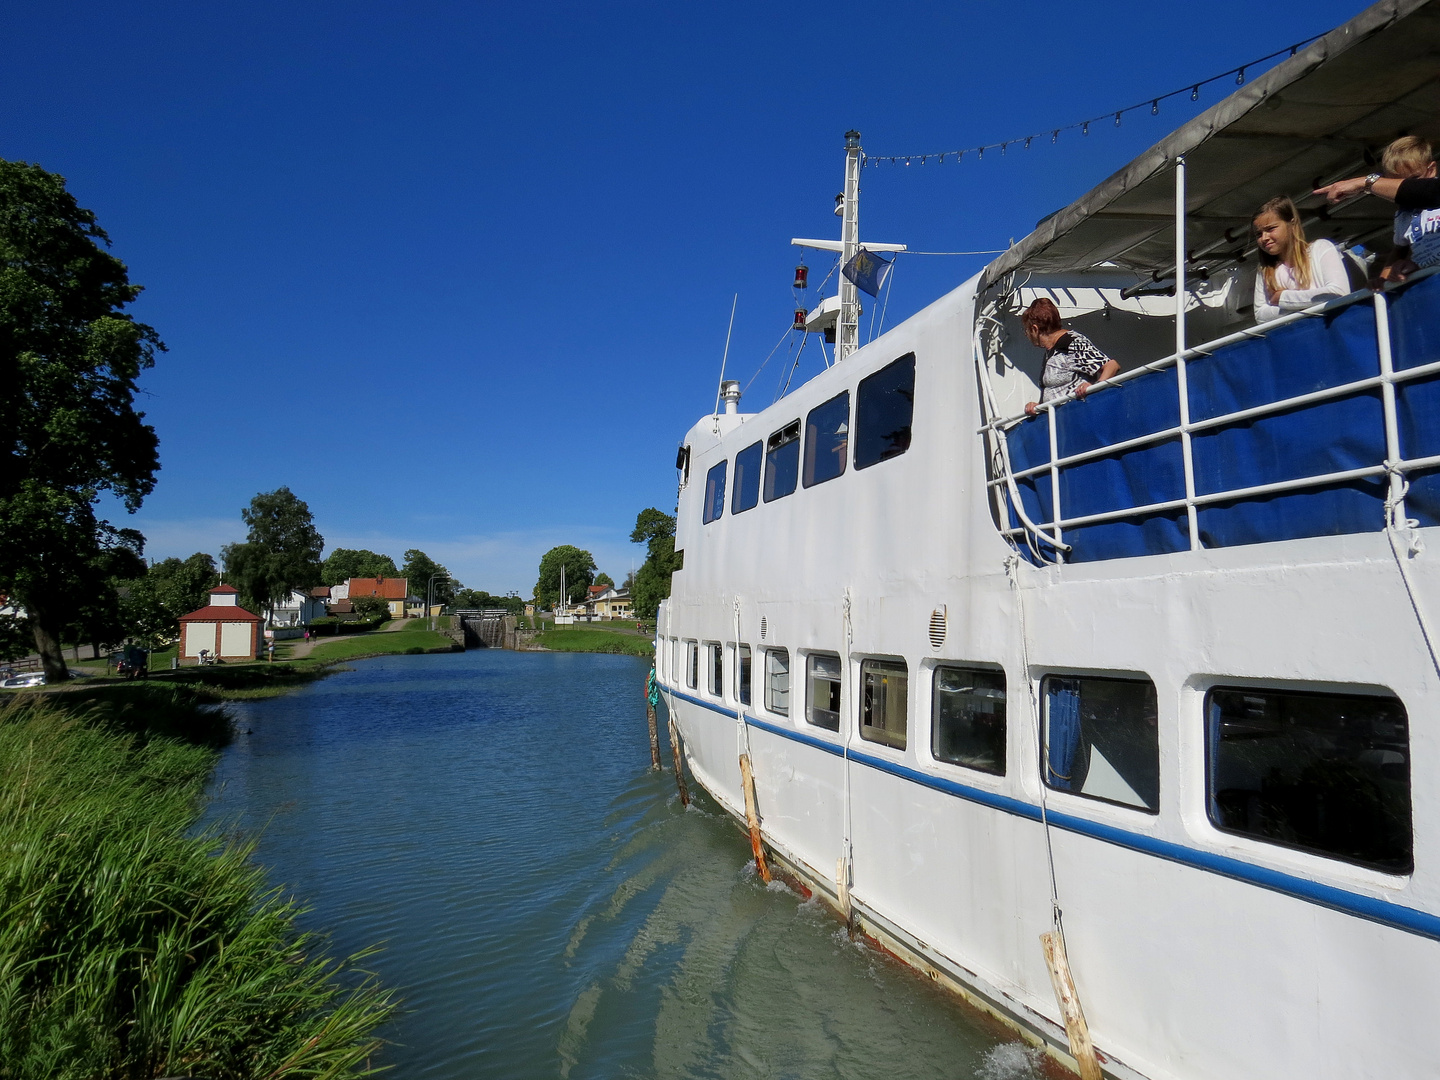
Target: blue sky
<point x="459" y="274"/>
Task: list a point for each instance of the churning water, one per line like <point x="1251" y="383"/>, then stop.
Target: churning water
<point x="547" y="908"/>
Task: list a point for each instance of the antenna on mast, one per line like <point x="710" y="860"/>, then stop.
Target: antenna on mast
<point x="843" y="312"/>
<point x="726" y="356"/>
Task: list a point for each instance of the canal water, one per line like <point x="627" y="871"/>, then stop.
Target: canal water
<point x="547" y="908"/>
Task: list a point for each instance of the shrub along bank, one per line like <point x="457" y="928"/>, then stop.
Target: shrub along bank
<point x="132" y="947"/>
<point x="592" y="637"/>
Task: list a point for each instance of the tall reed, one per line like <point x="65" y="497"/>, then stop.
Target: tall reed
<point x="131" y="948"/>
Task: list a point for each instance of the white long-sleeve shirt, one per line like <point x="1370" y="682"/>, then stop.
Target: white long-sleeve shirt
<point x="1327" y="279"/>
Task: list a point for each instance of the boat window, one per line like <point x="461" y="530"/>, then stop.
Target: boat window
<point x="884" y="406"/>
<point x="747" y="479"/>
<point x="1328" y="773"/>
<point x="884" y="689"/>
<point x="742" y="675"/>
<point x="782" y="462"/>
<point x="827" y="439"/>
<point x="715" y="492"/>
<point x="968" y="718"/>
<point x="823" y="707"/>
<point x="1102" y="739"/>
<point x="716" y="669"/>
<point x="777" y="681"/>
<point x="674" y="662"/>
<point x="692" y="664"/>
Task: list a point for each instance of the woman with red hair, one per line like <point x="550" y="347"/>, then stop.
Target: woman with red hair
<point x="1072" y="362"/>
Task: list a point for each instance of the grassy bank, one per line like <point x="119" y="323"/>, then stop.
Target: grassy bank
<point x="594" y="637"/>
<point x="376" y="643"/>
<point x="131" y="948"/>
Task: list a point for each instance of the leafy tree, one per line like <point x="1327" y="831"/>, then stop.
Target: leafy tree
<point x="476" y="600"/>
<point x="70" y="358"/>
<point x="656" y="530"/>
<point x="100" y="616"/>
<point x="579" y="574"/>
<point x="344" y="563"/>
<point x="418" y="568"/>
<point x="281" y="552"/>
<point x="371" y="607"/>
<point x="629" y="581"/>
<point x="604" y="579"/>
<point x="153" y="603"/>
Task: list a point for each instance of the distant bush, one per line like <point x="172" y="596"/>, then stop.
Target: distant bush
<point x="414" y="650"/>
<point x="369" y="607"/>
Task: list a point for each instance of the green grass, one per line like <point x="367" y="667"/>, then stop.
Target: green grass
<point x="593" y="638"/>
<point x="132" y="947"/>
<point x="381" y="643"/>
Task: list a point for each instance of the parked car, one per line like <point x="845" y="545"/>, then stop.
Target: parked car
<point x="132" y="661"/>
<point x="19" y="682"/>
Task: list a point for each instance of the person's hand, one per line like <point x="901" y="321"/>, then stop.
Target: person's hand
<point x="1081" y="391"/>
<point x="1342" y="189"/>
<point x="1030" y="408"/>
<point x="1399" y="270"/>
<point x="1272" y="297"/>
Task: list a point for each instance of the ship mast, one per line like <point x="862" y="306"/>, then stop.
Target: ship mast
<point x="846" y="319"/>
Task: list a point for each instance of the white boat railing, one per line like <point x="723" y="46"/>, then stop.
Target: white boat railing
<point x="1050" y="534"/>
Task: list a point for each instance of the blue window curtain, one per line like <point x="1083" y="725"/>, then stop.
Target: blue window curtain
<point x="1063" y="732"/>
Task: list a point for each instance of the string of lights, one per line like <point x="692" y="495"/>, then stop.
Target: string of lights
<point x="1115" y="115"/>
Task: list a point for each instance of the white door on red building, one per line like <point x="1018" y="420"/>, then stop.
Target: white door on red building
<point x="235" y="639"/>
<point x="199" y="635"/>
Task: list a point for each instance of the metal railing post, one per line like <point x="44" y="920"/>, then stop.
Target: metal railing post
<point x="1055" y="514"/>
<point x="1181" y="385"/>
<point x="1396" y="500"/>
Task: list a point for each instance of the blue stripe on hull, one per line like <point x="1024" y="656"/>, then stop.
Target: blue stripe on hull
<point x="1365" y="907"/>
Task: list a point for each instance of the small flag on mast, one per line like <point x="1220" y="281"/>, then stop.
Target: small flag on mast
<point x="867" y="271"/>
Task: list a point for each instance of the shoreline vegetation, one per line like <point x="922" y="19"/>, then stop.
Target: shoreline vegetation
<point x="617" y="636"/>
<point x="134" y="946"/>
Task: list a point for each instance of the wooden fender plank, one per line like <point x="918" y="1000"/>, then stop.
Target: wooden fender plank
<point x="1076" y="1030"/>
<point x="752" y="818"/>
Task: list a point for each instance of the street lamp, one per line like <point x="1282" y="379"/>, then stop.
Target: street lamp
<point x="429" y="594"/>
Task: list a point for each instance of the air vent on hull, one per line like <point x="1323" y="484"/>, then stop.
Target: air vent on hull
<point x="764" y="626"/>
<point x="937" y="627"/>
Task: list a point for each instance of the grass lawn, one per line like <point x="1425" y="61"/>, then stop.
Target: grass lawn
<point x="594" y="637"/>
<point x="405" y="640"/>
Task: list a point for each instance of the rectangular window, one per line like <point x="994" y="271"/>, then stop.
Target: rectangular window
<point x="823" y="709"/>
<point x="715" y="492"/>
<point x="884" y="701"/>
<point x="827" y="439"/>
<point x="782" y="462"/>
<point x="1328" y="773"/>
<point x="968" y="718"/>
<point x="1102" y="739"/>
<point x="692" y="664"/>
<point x="884" y="407"/>
<point x="716" y="668"/>
<point x="747" y="479"/>
<point x="742" y="675"/>
<point x="777" y="681"/>
<point x="674" y="662"/>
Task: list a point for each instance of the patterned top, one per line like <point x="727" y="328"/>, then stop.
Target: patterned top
<point x="1070" y="361"/>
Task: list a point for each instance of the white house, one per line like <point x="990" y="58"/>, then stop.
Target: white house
<point x="299" y="608"/>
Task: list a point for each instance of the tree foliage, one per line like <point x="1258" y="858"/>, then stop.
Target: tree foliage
<point x="478" y="600"/>
<point x="281" y="553"/>
<point x="344" y="563"/>
<point x="418" y="568"/>
<point x="171" y="588"/>
<point x="70" y="358"/>
<point x="656" y="530"/>
<point x="371" y="607"/>
<point x="604" y="579"/>
<point x="579" y="574"/>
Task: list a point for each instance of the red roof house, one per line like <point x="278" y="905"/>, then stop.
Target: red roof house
<point x="393" y="590"/>
<point x="222" y="627"/>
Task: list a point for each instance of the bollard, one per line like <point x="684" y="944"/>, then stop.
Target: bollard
<point x="752" y="818"/>
<point x="676" y="753"/>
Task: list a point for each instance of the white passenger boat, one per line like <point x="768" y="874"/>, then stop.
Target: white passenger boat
<point x="1158" y="666"/>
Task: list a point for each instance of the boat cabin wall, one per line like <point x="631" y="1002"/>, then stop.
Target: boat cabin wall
<point x="905" y="523"/>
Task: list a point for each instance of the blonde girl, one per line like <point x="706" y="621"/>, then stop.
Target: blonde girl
<point x="1293" y="273"/>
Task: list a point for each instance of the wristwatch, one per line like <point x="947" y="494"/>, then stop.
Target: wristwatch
<point x="1370" y="183"/>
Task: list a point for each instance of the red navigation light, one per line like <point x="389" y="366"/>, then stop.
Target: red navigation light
<point x="799" y="323"/>
<point x="802" y="275"/>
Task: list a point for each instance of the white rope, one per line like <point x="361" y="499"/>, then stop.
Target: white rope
<point x="1012" y="570"/>
<point x="1393" y="525"/>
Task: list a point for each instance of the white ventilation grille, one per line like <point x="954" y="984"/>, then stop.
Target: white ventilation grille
<point x="937" y="627"/>
<point x="764" y="626"/>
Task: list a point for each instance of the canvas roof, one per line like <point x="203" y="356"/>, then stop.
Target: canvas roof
<point x="1321" y="115"/>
